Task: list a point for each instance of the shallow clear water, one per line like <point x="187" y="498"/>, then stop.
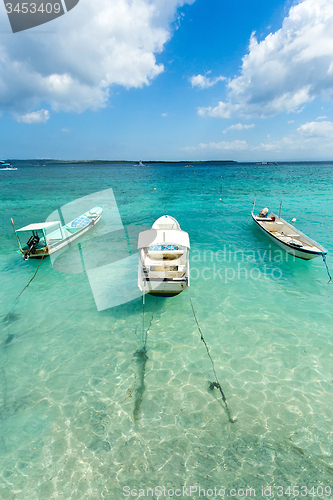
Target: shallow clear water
<point x="69" y="380"/>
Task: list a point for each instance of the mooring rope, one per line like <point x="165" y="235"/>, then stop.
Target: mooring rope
<point x="144" y="333"/>
<point x="26" y="286"/>
<point x="216" y="384"/>
<point x="142" y="358"/>
<point x="328" y="272"/>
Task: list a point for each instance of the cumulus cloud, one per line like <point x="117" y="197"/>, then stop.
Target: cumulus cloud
<point x="287" y="69"/>
<point x="96" y="45"/>
<point x="238" y="126"/>
<point x="35" y="117"/>
<point x="203" y="82"/>
<point x="222" y="110"/>
<point x="316" y="129"/>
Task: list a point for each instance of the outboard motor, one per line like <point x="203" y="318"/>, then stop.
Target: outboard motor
<point x="32" y="243"/>
<point x="263" y="212"/>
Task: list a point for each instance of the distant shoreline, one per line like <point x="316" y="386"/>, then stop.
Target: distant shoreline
<point x="185" y="163"/>
<point x="117" y="162"/>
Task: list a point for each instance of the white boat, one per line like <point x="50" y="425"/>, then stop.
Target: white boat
<point x="140" y="164"/>
<point x="5" y="165"/>
<point x="287" y="236"/>
<point x="46" y="238"/>
<point x="164" y="267"/>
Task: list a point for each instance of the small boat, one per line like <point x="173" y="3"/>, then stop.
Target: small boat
<point x="188" y="166"/>
<point x="140" y="164"/>
<point x="164" y="267"/>
<point x="5" y="165"/>
<point x="46" y="238"/>
<point x="287" y="236"/>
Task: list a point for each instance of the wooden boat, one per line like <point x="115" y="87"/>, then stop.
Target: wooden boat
<point x="46" y="238"/>
<point x="164" y="258"/>
<point x="287" y="236"/>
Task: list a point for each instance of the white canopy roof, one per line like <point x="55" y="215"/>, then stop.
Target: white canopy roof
<point x="163" y="237"/>
<point x="40" y="225"/>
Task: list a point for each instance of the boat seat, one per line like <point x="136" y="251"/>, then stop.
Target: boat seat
<point x="165" y="254"/>
<point x="278" y="233"/>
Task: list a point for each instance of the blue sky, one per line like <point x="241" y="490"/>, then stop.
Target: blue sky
<point x="171" y="80"/>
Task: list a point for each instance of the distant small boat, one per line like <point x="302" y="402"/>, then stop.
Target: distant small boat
<point x="188" y="166"/>
<point x="46" y="238"/>
<point x="164" y="258"/>
<point x="287" y="236"/>
<point x="5" y="165"/>
<point x="140" y="164"/>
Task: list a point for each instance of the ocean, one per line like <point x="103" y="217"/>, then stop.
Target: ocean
<point x="70" y="374"/>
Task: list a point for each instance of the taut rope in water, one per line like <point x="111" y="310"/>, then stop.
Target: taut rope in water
<point x="328" y="272"/>
<point x="142" y="358"/>
<point x="26" y="286"/>
<point x="216" y="384"/>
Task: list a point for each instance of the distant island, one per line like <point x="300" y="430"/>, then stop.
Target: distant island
<point x="45" y="162"/>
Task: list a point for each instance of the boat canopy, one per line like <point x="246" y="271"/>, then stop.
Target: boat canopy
<point x="158" y="237"/>
<point x="40" y="225"/>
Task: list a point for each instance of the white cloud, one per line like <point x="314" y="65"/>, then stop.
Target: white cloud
<point x="287" y="69"/>
<point x="223" y="110"/>
<point x="321" y="117"/>
<point x="104" y="43"/>
<point x="223" y="145"/>
<point x="203" y="82"/>
<point x="164" y="115"/>
<point x="35" y="117"/>
<point x="312" y="140"/>
<point x="238" y="126"/>
<point x="316" y="129"/>
<point x="308" y="138"/>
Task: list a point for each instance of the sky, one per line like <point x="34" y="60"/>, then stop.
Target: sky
<point x="171" y="80"/>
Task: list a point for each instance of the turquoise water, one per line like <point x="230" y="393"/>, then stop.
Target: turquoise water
<point x="69" y="379"/>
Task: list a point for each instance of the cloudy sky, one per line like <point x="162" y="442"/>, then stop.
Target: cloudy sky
<point x="171" y="80"/>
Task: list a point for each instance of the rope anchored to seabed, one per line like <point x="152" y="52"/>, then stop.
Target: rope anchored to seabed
<point x="328" y="272"/>
<point x="142" y="358"/>
<point x="26" y="286"/>
<point x="216" y="384"/>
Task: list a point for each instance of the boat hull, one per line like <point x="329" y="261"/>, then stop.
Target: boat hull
<point x="292" y="250"/>
<point x="55" y="247"/>
<point x="163" y="288"/>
